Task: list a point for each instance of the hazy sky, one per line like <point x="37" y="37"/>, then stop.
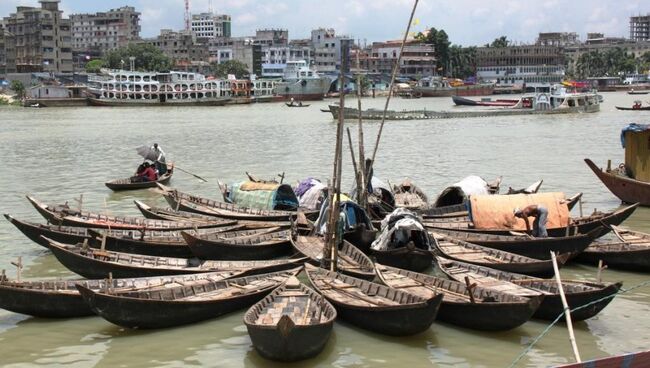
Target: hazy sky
<point x="468" y="22"/>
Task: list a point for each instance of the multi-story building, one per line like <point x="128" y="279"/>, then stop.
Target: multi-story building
<point x="242" y="49"/>
<point x="271" y="37"/>
<point x="181" y="47"/>
<point x="527" y="64"/>
<point x="595" y="38"/>
<point x="3" y="54"/>
<point x="327" y="48"/>
<point x="640" y="28"/>
<point x="105" y="31"/>
<point x="417" y="61"/>
<point x="560" y="39"/>
<point x="38" y="39"/>
<point x="210" y="25"/>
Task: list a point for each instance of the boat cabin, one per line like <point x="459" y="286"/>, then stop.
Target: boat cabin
<point x="636" y="141"/>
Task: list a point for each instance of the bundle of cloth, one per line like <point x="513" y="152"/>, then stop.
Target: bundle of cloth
<point x="399" y="228"/>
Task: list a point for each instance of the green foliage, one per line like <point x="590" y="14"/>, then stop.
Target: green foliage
<point x="147" y="58"/>
<point x="364" y="84"/>
<point x="500" y="42"/>
<point x="440" y="41"/>
<point x="18" y="88"/>
<point x="462" y="61"/>
<point x="612" y="62"/>
<point x="94" y="66"/>
<point x="235" y="67"/>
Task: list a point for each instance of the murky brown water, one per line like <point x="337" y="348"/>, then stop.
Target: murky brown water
<point x="57" y="154"/>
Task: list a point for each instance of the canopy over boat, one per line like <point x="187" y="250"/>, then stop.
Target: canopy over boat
<point x="263" y="195"/>
<point x="459" y="192"/>
<point x="496" y="211"/>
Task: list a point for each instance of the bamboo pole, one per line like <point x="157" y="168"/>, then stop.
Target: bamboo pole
<point x="392" y="82"/>
<point x="361" y="176"/>
<point x="330" y="234"/>
<point x="357" y="173"/>
<point x="567" y="311"/>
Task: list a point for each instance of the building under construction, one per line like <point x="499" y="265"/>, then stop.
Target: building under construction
<point x="640" y="28"/>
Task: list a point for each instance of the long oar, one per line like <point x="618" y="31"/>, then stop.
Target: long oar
<point x="187" y="172"/>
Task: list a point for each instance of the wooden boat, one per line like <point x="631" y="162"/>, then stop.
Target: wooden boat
<point x="128" y="184"/>
<point x="64" y="215"/>
<point x="410" y="196"/>
<point x="63" y="234"/>
<point x="61" y="299"/>
<point x="525" y="245"/>
<point x="186" y="202"/>
<point x="152" y="243"/>
<point x="403" y="242"/>
<point x="631" y="251"/>
<point x="97" y="264"/>
<point x="638" y="359"/>
<point x="485" y="309"/>
<point x="625" y="188"/>
<point x="462" y="101"/>
<point x="173" y="215"/>
<point x="640" y="108"/>
<point x="579" y="225"/>
<point x="578" y="293"/>
<point x="373" y="306"/>
<point x="289" y="104"/>
<point x="189" y="302"/>
<point x="475" y="254"/>
<point x="350" y="260"/>
<point x="631" y="92"/>
<point x="240" y="245"/>
<point x="292" y="323"/>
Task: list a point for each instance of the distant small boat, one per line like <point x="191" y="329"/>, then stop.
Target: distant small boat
<point x="298" y="105"/>
<point x="130" y="184"/>
<point x="640" y="108"/>
<point x="633" y="92"/>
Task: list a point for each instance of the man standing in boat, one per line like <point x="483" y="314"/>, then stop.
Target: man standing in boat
<point x="540" y="213"/>
<point x="159" y="162"/>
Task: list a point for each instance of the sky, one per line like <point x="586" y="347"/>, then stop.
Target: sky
<point x="467" y="22"/>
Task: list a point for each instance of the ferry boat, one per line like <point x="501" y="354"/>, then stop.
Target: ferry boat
<point x="127" y="88"/>
<point x="558" y="99"/>
<point x="301" y="83"/>
<point x="442" y="87"/>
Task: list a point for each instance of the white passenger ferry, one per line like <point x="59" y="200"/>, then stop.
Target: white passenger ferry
<point x="126" y="88"/>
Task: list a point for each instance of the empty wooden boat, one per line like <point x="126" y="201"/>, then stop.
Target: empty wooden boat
<point x="152" y="243"/>
<point x="525" y="245"/>
<point x="97" y="264"/>
<point x="186" y="202"/>
<point x="464" y="305"/>
<point x="475" y="254"/>
<point x="130" y="184"/>
<point x="580" y="225"/>
<point x="410" y="196"/>
<point x="637" y="359"/>
<point x="578" y="293"/>
<point x="629" y="250"/>
<point x="240" y="245"/>
<point x="292" y="323"/>
<point x="61" y="299"/>
<point x="64" y="215"/>
<point x="373" y="306"/>
<point x="350" y="260"/>
<point x="63" y="234"/>
<point x="189" y="302"/>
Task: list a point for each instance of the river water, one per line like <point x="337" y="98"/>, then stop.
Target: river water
<point x="58" y="154"/>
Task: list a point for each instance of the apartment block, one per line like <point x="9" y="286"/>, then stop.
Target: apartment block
<point x="105" y="31"/>
<point x="38" y="39"/>
<point x="640" y="28"/>
<point x="210" y="25"/>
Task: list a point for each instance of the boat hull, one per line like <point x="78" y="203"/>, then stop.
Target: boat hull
<point x="144" y="103"/>
<point x="125" y="184"/>
<point x="471" y="90"/>
<point x="627" y="190"/>
<point x="552" y="307"/>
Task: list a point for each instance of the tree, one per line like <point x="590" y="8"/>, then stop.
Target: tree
<point x="462" y="61"/>
<point x="18" y="87"/>
<point x="234" y="67"/>
<point x="500" y="42"/>
<point x="94" y="66"/>
<point x="440" y="41"/>
<point x="612" y="62"/>
<point x="147" y="58"/>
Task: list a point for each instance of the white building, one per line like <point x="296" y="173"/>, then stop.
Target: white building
<point x="210" y="25"/>
<point x="327" y="49"/>
<point x="105" y="30"/>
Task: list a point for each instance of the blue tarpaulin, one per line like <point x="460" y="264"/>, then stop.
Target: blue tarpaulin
<point x="633" y="127"/>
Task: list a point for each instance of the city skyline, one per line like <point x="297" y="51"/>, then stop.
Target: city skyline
<point x="483" y="22"/>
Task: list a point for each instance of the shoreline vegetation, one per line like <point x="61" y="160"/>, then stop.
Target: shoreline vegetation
<point x="9" y="100"/>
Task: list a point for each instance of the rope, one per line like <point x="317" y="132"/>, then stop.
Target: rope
<point x="548" y="328"/>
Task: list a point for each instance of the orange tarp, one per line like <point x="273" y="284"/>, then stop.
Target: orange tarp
<point x="496" y="211"/>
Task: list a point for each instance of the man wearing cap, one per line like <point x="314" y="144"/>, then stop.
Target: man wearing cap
<point x="540" y="213"/>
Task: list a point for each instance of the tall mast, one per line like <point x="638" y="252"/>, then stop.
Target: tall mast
<point x="187" y="15"/>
